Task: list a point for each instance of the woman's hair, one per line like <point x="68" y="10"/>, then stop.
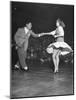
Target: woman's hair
<point x="61" y="22"/>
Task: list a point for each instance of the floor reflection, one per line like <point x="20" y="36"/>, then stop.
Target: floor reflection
<point x="41" y="81"/>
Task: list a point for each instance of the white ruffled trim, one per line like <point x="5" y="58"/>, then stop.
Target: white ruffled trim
<point x="57" y="45"/>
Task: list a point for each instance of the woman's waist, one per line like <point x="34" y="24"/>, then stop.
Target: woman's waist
<point x="59" y="39"/>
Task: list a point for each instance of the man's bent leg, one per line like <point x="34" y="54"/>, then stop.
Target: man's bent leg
<point x="21" y="55"/>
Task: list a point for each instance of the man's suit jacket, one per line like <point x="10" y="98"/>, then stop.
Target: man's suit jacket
<point x="21" y="38"/>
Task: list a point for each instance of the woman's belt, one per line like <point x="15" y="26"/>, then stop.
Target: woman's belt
<point x="59" y="38"/>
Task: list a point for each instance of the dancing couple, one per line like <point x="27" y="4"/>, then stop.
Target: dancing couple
<point x="59" y="47"/>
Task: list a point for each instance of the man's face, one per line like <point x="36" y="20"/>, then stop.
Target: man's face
<point x="29" y="25"/>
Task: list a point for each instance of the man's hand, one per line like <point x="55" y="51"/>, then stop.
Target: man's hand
<point x="41" y="34"/>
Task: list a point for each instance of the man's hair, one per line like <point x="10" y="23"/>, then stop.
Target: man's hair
<point x="28" y="20"/>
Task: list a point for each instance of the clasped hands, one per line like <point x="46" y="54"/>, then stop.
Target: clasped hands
<point x="39" y="35"/>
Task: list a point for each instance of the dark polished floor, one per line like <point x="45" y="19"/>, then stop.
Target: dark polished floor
<point x="41" y="81"/>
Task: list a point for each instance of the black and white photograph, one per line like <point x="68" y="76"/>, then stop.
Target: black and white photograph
<point x="42" y="49"/>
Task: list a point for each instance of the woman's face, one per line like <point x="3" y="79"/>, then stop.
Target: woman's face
<point x="57" y="23"/>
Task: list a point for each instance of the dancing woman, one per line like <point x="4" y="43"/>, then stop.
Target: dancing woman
<point x="59" y="47"/>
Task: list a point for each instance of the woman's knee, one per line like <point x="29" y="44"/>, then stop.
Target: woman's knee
<point x="57" y="55"/>
<point x="54" y="53"/>
<point x="54" y="56"/>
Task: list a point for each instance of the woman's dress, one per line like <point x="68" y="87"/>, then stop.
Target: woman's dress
<point x="59" y="43"/>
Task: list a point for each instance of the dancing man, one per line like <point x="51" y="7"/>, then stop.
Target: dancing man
<point x="22" y="39"/>
<point x="59" y="47"/>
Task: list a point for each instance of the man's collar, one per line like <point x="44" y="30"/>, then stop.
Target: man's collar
<point x="26" y="29"/>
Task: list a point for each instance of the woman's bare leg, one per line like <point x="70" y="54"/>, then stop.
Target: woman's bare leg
<point x="55" y="56"/>
<point x="55" y="59"/>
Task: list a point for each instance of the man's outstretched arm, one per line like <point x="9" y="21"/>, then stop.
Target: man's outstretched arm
<point x="34" y="35"/>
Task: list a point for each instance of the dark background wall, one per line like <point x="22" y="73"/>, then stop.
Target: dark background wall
<point x="43" y="17"/>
